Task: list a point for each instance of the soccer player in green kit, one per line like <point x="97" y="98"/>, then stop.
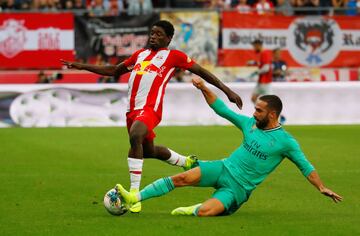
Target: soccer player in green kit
<point x="265" y="145"/>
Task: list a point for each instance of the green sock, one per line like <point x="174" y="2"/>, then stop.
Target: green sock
<point x="157" y="188"/>
<point x="196" y="210"/>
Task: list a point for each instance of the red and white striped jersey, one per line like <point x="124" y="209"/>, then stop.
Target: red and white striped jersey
<point x="151" y="71"/>
<point x="265" y="58"/>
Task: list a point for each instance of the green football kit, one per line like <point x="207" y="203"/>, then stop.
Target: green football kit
<point x="260" y="153"/>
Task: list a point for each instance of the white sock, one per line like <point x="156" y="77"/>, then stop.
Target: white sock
<point x="135" y="169"/>
<point x="176" y="159"/>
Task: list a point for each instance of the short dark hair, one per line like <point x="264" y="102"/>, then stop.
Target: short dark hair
<point x="276" y="49"/>
<point x="166" y="26"/>
<point x="257" y="41"/>
<point x="273" y="103"/>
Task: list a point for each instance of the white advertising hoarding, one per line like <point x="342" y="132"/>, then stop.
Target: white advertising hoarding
<point x="105" y="104"/>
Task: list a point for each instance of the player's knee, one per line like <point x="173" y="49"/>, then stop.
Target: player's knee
<point x="149" y="153"/>
<point x="180" y="180"/>
<point x="136" y="139"/>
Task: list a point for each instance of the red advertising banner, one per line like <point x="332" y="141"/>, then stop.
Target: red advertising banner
<point x="35" y="40"/>
<point x="316" y="41"/>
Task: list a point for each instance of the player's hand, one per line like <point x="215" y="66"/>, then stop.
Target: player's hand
<point x="253" y="74"/>
<point x="198" y="83"/>
<point x="251" y="63"/>
<point x="233" y="97"/>
<point x="71" y="65"/>
<point x="335" y="197"/>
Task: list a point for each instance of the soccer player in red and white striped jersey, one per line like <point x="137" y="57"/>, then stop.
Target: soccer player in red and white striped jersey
<point x="264" y="62"/>
<point x="151" y="69"/>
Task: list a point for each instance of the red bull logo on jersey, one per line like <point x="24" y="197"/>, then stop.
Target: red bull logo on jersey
<point x="146" y="67"/>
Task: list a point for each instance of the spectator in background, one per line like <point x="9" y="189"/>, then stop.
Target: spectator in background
<point x="336" y="4"/>
<point x="25" y="5"/>
<point x="284" y="7"/>
<point x="279" y="72"/>
<point x="227" y="4"/>
<point x="9" y="5"/>
<point x="47" y="79"/>
<point x="279" y="66"/>
<point x="307" y="4"/>
<point x="69" y="5"/>
<point x="353" y="7"/>
<point x="263" y="86"/>
<point x="39" y="4"/>
<point x="57" y="5"/>
<point x="220" y="4"/>
<point x="114" y="7"/>
<point x="96" y="8"/>
<point x="325" y="4"/>
<point x="47" y="5"/>
<point x="79" y="5"/>
<point x="243" y="7"/>
<point x="42" y="78"/>
<point x="216" y="4"/>
<point x="139" y="7"/>
<point x="264" y="7"/>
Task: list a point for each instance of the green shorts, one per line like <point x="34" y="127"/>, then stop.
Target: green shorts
<point x="231" y="194"/>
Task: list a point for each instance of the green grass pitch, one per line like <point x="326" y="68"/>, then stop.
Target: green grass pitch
<point x="52" y="182"/>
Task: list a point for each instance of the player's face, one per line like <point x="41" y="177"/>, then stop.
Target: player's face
<point x="277" y="55"/>
<point x="257" y="47"/>
<point x="158" y="38"/>
<point x="261" y="114"/>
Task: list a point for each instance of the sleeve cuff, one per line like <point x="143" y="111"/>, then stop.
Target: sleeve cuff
<point x="308" y="172"/>
<point x="218" y="102"/>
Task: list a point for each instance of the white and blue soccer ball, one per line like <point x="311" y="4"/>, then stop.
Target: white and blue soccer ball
<point x="113" y="203"/>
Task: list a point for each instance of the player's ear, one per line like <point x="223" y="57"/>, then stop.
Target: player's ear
<point x="169" y="39"/>
<point x="272" y="114"/>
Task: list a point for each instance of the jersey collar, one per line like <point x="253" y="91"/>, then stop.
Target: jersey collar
<point x="273" y="129"/>
<point x="156" y="50"/>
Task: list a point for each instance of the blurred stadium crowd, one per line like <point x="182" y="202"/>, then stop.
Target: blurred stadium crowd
<point x="137" y="7"/>
<point x="96" y="9"/>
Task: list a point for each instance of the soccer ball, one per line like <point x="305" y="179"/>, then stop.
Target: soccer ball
<point x="113" y="203"/>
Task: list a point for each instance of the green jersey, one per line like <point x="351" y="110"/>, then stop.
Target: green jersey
<point x="261" y="151"/>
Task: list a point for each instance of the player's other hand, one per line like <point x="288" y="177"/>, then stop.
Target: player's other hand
<point x="198" y="83"/>
<point x="253" y="74"/>
<point x="328" y="192"/>
<point x="251" y="63"/>
<point x="71" y="65"/>
<point x="233" y="97"/>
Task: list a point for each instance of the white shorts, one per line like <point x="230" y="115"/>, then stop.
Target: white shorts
<point x="262" y="89"/>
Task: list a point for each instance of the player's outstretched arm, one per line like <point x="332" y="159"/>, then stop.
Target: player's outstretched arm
<point x="219" y="107"/>
<point x="210" y="96"/>
<point x="314" y="178"/>
<point x="110" y="70"/>
<point x="212" y="79"/>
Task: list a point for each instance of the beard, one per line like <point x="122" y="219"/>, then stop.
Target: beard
<point x="261" y="124"/>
